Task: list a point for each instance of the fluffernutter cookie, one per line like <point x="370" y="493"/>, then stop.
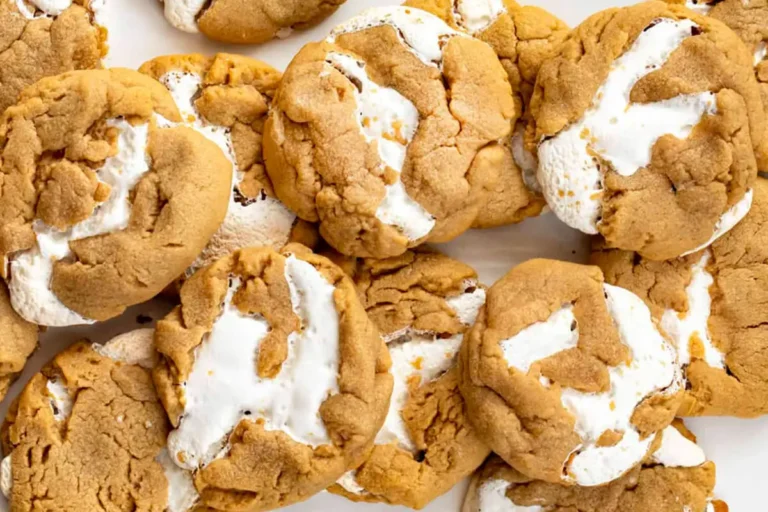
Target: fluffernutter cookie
<point x="18" y="339"/>
<point x="88" y="433"/>
<point x="104" y="201"/>
<point x="713" y="305"/>
<point x="247" y="21"/>
<point x="387" y="133"/>
<point x="422" y="302"/>
<point x="647" y="126"/>
<point x="226" y="98"/>
<point x="274" y="378"/>
<point x="677" y="476"/>
<point x="567" y="378"/>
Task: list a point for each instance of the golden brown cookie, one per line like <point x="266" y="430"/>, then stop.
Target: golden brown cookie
<point x="40" y="38"/>
<point x="247" y="21"/>
<point x="387" y="133"/>
<point x="713" y="305"/>
<point x="226" y="98"/>
<point x="647" y="124"/>
<point x="104" y="200"/>
<point x="273" y="376"/>
<point x="749" y="19"/>
<point x="422" y="302"/>
<point x="523" y="38"/>
<point x="567" y="378"/>
<point x="88" y="433"/>
<point x="676" y="477"/>
<point x="18" y="339"/>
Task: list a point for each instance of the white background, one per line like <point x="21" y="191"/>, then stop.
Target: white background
<point x="138" y="32"/>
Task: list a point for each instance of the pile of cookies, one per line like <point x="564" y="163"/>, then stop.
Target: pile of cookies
<point x="317" y="342"/>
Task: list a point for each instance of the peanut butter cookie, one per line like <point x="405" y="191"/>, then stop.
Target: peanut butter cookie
<point x="387" y="133"/>
<point x="676" y="477"/>
<point x="226" y="98"/>
<point x="88" y="433"/>
<point x="104" y="200"/>
<point x="568" y="379"/>
<point x="422" y="303"/>
<point x="647" y="125"/>
<point x="273" y="376"/>
<point x="18" y="339"/>
<point x="247" y="21"/>
<point x="713" y="305"/>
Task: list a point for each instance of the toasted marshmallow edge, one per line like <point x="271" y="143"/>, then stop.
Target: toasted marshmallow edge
<point x="474" y="16"/>
<point x="47" y="8"/>
<point x="423" y="355"/>
<point x="262" y="221"/>
<point x="728" y="220"/>
<point x="31" y="271"/>
<point x="388" y="119"/>
<point x="699" y="6"/>
<point x="421" y="32"/>
<point x="619" y="132"/>
<point x="691" y="328"/>
<point x="653" y="369"/>
<point x="182" y="14"/>
<point x="224" y="388"/>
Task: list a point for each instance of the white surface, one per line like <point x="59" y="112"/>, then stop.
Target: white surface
<point x="621" y="132"/>
<point x="739" y="447"/>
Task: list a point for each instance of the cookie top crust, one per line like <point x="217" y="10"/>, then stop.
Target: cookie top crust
<point x="568" y="378"/>
<point x="105" y="200"/>
<point x="18" y="339"/>
<point x="277" y="348"/>
<point x="639" y="117"/>
<point x="387" y="132"/>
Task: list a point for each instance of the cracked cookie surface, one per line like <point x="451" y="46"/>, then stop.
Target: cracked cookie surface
<point x="226" y="98"/>
<point x="387" y="133"/>
<point x="676" y="477"/>
<point x="713" y="305"/>
<point x="18" y="339"/>
<point x="104" y="199"/>
<point x="422" y="302"/>
<point x="566" y="378"/>
<point x="88" y="433"/>
<point x="277" y="347"/>
<point x="647" y="126"/>
<point x="247" y="21"/>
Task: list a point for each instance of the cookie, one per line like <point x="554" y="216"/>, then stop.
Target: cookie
<point x="647" y="125"/>
<point x="42" y="38"/>
<point x="712" y="304"/>
<point x="88" y="433"/>
<point x="568" y="379"/>
<point x="749" y="19"/>
<point x="387" y="132"/>
<point x="104" y="201"/>
<point x="523" y="38"/>
<point x="227" y="98"/>
<point x="18" y="339"/>
<point x="422" y="302"/>
<point x="247" y="21"/>
<point x="273" y="377"/>
<point x="676" y="477"/>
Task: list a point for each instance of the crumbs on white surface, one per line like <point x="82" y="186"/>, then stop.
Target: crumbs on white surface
<point x="31" y="271"/>
<point x="182" y="494"/>
<point x="728" y="220"/>
<point x="389" y="120"/>
<point x="622" y="134"/>
<point x="677" y="451"/>
<point x="224" y="388"/>
<point x="421" y="32"/>
<point x="691" y="328"/>
<point x="182" y="14"/>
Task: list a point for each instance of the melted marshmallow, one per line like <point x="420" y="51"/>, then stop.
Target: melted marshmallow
<point x="6" y="476"/>
<point x="421" y="32"/>
<point x="59" y="399"/>
<point x="46" y="8"/>
<point x="728" y="220"/>
<point x="224" y="388"/>
<point x="182" y="494"/>
<point x="653" y="369"/>
<point x="761" y="51"/>
<point x="477" y="15"/>
<point x="492" y="497"/>
<point x="691" y="328"/>
<point x="525" y="160"/>
<point x="541" y="340"/>
<point x="134" y="348"/>
<point x="677" y="451"/>
<point x="618" y="131"/>
<point x="263" y="221"/>
<point x="182" y="14"/>
<point x="390" y="120"/>
<point x="32" y="270"/>
<point x="699" y="6"/>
